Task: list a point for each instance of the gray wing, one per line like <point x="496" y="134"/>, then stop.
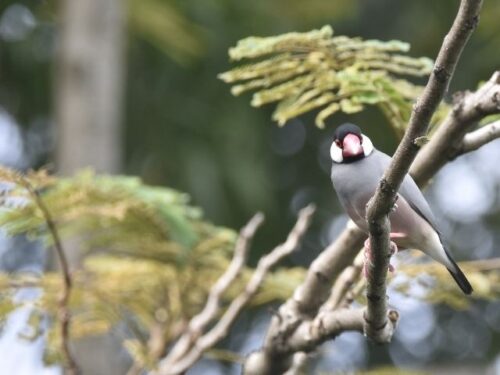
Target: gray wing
<point x="411" y="192"/>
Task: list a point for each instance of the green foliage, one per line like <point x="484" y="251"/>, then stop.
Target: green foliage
<point x="151" y="257"/>
<point x="312" y="70"/>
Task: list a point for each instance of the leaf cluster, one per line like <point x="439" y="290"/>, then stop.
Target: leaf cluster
<point x="316" y="70"/>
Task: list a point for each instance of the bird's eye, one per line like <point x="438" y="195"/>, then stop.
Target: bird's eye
<point x="338" y="143"/>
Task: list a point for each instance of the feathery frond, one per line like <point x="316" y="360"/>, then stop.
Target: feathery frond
<point x="315" y="70"/>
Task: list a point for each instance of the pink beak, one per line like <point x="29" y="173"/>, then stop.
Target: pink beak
<point x="351" y="146"/>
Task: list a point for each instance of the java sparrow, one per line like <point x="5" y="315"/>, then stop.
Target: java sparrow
<point x="356" y="171"/>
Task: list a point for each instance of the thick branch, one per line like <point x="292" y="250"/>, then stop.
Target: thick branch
<point x="306" y="337"/>
<point x="221" y="328"/>
<point x="315" y="289"/>
<point x="377" y="326"/>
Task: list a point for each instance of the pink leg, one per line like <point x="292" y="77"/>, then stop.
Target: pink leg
<point x="395" y="236"/>
<point x="368" y="257"/>
<point x="368" y="252"/>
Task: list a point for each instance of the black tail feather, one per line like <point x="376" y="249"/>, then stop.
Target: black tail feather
<point x="459" y="276"/>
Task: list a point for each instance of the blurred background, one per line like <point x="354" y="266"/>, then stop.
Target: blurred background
<point x="161" y="113"/>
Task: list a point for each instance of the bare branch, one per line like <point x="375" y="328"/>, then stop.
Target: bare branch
<point x="315" y="289"/>
<point x="344" y="282"/>
<point x="307" y="336"/>
<point x="299" y="362"/>
<point x="378" y="326"/>
<point x="446" y="143"/>
<point x="221" y="328"/>
<point x="212" y="307"/>
<point x="327" y="325"/>
<point x="64" y="312"/>
<point x="307" y="299"/>
<point x="474" y="140"/>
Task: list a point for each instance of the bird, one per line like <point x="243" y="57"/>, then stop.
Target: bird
<point x="356" y="172"/>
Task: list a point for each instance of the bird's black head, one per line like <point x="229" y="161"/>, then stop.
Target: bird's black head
<point x="350" y="144"/>
<point x="345" y="129"/>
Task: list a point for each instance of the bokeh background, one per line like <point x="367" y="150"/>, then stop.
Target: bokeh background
<point x="177" y="125"/>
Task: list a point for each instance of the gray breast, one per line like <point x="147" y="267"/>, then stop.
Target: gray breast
<point x="356" y="182"/>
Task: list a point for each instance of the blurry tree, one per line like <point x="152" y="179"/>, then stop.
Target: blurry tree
<point x="89" y="83"/>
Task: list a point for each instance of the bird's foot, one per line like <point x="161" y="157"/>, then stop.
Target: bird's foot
<point x="393" y="249"/>
<point x="368" y="257"/>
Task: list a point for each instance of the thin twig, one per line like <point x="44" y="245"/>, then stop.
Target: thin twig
<point x="64" y="311"/>
<point x="221" y="328"/>
<point x="212" y="307"/>
<point x="344" y="283"/>
<point x="378" y="326"/>
<point x="474" y="140"/>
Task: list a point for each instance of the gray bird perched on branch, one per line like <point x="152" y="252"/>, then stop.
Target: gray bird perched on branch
<point x="356" y="172"/>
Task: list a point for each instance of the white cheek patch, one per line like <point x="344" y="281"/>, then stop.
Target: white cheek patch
<point x="336" y="153"/>
<point x="367" y="145"/>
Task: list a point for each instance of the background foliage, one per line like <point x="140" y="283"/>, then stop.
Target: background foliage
<point x="151" y="261"/>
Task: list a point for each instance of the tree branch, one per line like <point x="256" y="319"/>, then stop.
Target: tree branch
<point x="212" y="307"/>
<point x="344" y="282"/>
<point x="474" y="140"/>
<point x="220" y="330"/>
<point x="316" y="288"/>
<point x="276" y="357"/>
<point x="378" y="326"/>
<point x="445" y="145"/>
<point x="64" y="312"/>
